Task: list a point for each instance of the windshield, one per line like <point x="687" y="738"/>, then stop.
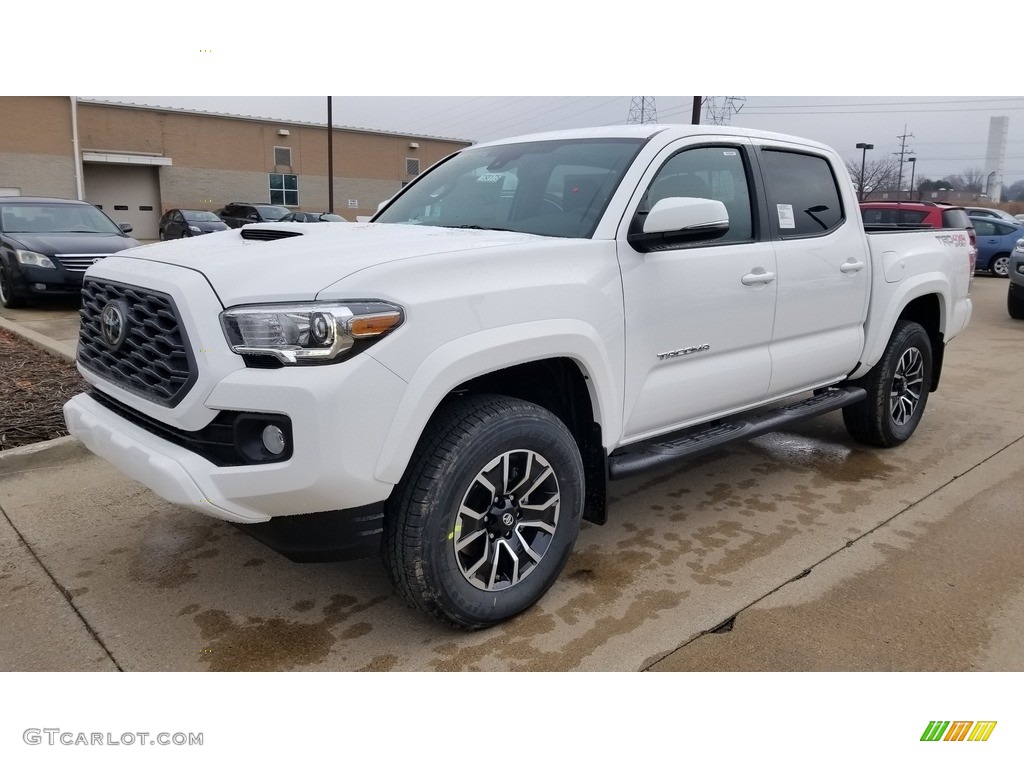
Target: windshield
<point x="331" y="217"/>
<point x="200" y="216"/>
<point x="272" y="212"/>
<point x="43" y="218"/>
<point x="556" y="188"/>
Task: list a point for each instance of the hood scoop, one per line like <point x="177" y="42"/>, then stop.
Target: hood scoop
<point x="267" y="234"/>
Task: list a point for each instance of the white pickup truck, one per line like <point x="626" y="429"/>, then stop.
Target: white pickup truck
<point x="453" y="384"/>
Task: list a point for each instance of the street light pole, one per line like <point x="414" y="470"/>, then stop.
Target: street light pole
<point x="913" y="167"/>
<point x="863" y="156"/>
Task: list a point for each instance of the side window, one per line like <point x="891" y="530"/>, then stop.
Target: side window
<point x="803" y="196"/>
<point x="715" y="173"/>
<point x="984" y="228"/>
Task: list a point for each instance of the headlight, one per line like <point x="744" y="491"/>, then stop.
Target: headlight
<point x="194" y="228"/>
<point x="318" y="332"/>
<point x="33" y="259"/>
<point x="1020" y="245"/>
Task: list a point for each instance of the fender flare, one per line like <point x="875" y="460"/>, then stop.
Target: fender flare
<point x="468" y="357"/>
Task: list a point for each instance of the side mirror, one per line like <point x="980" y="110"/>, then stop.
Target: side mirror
<point x="253" y="217"/>
<point x="678" y="220"/>
<point x="126" y="227"/>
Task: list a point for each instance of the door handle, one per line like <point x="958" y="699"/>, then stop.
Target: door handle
<point x="758" y="278"/>
<point x="851" y="266"/>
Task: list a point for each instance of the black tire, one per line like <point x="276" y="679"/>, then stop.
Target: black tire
<point x="897" y="390"/>
<point x="8" y="297"/>
<point x="1000" y="265"/>
<point x="457" y="566"/>
<point x="1015" y="302"/>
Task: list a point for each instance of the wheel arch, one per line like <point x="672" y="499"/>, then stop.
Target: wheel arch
<point x="568" y="373"/>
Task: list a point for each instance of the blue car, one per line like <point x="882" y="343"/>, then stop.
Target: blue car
<point x="996" y="241"/>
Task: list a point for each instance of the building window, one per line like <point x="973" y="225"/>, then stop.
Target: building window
<point x="284" y="189"/>
<point x="412" y="166"/>
<point x="282" y="155"/>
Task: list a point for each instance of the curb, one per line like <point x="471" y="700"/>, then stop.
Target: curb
<point x="58" y="348"/>
<point x="58" y="450"/>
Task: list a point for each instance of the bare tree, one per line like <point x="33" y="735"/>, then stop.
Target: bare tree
<point x="881" y="174"/>
<point x="971" y="180"/>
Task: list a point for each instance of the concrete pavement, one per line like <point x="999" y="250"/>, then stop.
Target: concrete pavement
<point x="805" y="550"/>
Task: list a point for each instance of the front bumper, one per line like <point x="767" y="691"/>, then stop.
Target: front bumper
<point x="335" y="443"/>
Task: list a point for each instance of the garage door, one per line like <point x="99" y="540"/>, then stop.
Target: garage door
<point x="127" y="194"/>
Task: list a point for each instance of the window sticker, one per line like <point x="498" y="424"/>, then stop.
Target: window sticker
<point x="729" y="152"/>
<point x="786" y="220"/>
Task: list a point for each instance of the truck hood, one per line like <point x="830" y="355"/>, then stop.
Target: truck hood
<point x="304" y="259"/>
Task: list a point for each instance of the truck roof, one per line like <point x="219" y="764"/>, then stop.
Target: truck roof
<point x="647" y="130"/>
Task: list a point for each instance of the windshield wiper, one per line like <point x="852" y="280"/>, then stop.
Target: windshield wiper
<point x="477" y="226"/>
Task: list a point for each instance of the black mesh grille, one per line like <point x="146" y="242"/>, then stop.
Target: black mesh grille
<point x="154" y="360"/>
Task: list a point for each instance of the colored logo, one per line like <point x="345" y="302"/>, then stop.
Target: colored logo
<point x="958" y="730"/>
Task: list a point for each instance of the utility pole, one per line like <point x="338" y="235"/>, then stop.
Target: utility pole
<point x="330" y="158"/>
<point x="695" y="115"/>
<point x="903" y="151"/>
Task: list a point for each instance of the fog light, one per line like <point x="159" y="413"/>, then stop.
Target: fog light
<point x="40" y="286"/>
<point x="273" y="439"/>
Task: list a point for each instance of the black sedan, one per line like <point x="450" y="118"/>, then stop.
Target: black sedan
<point x="311" y="217"/>
<point x="47" y="243"/>
<point x="182" y="222"/>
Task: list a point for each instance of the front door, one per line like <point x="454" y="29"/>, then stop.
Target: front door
<point x="699" y="317"/>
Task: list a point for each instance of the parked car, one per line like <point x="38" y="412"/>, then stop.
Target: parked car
<point x="918" y="214"/>
<point x="183" y="222"/>
<point x="1019" y="217"/>
<point x="1015" y="293"/>
<point x="305" y="216"/>
<point x="47" y="243"/>
<point x="923" y="213"/>
<point x="994" y="212"/>
<point x="996" y="240"/>
<point x="238" y="214"/>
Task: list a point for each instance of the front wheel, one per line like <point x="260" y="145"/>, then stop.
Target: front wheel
<point x="1000" y="265"/>
<point x="8" y="298"/>
<point x="1015" y="302"/>
<point x="897" y="390"/>
<point x="485" y="517"/>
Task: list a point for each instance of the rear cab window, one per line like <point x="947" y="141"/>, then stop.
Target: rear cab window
<point x="803" y="194"/>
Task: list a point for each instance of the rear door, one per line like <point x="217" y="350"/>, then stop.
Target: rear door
<point x="823" y="264"/>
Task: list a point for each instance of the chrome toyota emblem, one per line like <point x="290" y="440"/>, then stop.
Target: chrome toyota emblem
<point x="507" y="519"/>
<point x="114" y="323"/>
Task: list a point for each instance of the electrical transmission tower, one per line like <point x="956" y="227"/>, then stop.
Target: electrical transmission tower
<point x="642" y="110"/>
<point x="718" y="110"/>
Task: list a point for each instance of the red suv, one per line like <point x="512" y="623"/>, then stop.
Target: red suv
<point x="914" y="214"/>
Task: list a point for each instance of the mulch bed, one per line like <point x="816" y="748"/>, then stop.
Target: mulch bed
<point x="34" y="385"/>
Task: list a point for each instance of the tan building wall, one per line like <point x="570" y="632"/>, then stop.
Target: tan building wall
<point x="217" y="160"/>
<point x="36" y="152"/>
<point x="214" y="159"/>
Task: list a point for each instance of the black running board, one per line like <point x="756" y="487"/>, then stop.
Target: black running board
<point x="642" y="457"/>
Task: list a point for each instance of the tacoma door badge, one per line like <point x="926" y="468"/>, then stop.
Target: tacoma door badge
<point x="684" y="352"/>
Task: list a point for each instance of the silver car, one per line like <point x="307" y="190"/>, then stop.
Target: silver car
<point x="1015" y="295"/>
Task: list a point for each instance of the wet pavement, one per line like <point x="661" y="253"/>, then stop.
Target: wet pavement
<point x="803" y="549"/>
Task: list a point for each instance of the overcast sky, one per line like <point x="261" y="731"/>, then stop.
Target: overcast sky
<point x="463" y="69"/>
<point x="948" y="135"/>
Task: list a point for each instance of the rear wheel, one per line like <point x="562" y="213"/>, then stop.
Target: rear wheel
<point x="1000" y="265"/>
<point x="897" y="390"/>
<point x="8" y="297"/>
<point x="487" y="514"/>
<point x="1015" y="302"/>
